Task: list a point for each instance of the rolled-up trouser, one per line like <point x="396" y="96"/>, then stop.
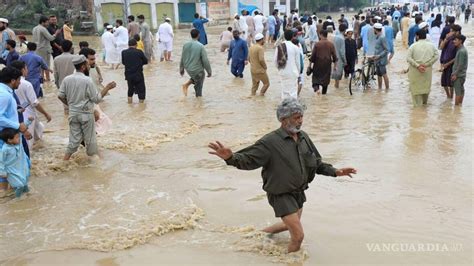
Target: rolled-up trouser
<point x="458" y="86"/>
<point x="198" y="81"/>
<point x="82" y="128"/>
<point x="287" y="203"/>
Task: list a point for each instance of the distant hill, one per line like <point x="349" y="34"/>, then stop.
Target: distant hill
<point x="24" y="14"/>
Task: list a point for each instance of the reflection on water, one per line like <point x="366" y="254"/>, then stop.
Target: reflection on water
<point x="413" y="186"/>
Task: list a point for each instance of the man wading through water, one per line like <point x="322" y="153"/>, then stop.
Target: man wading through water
<point x="290" y="161"/>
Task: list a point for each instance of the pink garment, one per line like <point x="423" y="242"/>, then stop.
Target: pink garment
<point x="104" y="123"/>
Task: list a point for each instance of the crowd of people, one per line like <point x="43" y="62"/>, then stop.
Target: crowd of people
<point x="330" y="48"/>
<point x="334" y="47"/>
<point x="78" y="79"/>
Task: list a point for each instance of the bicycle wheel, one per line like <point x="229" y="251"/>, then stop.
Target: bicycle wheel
<point x="373" y="77"/>
<point x="369" y="76"/>
<point x="356" y="80"/>
<point x="365" y="77"/>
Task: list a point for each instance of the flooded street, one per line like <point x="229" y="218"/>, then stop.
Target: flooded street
<point x="158" y="197"/>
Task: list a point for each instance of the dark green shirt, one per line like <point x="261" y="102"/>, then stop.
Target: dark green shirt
<point x="460" y="63"/>
<point x="194" y="59"/>
<point x="288" y="166"/>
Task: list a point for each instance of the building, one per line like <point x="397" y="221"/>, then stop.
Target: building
<point x="155" y="11"/>
<point x="265" y="6"/>
<point x="182" y="11"/>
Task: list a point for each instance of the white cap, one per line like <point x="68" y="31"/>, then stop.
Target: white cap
<point x="259" y="36"/>
<point x="168" y="19"/>
<point x="414" y="14"/>
<point x="423" y="25"/>
<point x="4" y="20"/>
<point x="349" y="30"/>
<point x="109" y="27"/>
<point x="377" y="18"/>
<point x="78" y="59"/>
<point x="378" y="26"/>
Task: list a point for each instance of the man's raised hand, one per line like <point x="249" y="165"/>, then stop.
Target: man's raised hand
<point x="220" y="150"/>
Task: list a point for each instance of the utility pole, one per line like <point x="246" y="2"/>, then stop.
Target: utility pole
<point x="126" y="4"/>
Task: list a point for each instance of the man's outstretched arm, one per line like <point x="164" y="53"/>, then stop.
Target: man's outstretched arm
<point x="250" y="158"/>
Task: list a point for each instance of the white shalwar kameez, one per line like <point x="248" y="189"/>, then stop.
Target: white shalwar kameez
<point x="259" y="20"/>
<point x="111" y="54"/>
<point x="121" y="40"/>
<point x="244" y="27"/>
<point x="27" y="96"/>
<point x="289" y="74"/>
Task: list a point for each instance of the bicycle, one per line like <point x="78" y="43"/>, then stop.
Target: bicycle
<point x="363" y="77"/>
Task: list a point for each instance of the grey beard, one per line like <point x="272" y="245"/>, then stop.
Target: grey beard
<point x="293" y="129"/>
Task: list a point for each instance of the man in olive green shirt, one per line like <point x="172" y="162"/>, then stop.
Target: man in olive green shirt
<point x="194" y="61"/>
<point x="258" y="67"/>
<point x="459" y="68"/>
<point x="290" y="161"/>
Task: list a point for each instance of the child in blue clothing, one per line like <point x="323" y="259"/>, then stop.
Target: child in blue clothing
<point x="14" y="164"/>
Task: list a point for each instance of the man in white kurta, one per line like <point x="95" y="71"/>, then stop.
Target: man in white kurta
<point x="290" y="72"/>
<point x="258" y="21"/>
<point x="121" y="38"/>
<point x="28" y="100"/>
<point x="108" y="42"/>
<point x="243" y="25"/>
<point x="165" y="37"/>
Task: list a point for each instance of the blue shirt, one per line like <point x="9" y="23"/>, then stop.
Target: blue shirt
<point x="199" y="25"/>
<point x="15" y="165"/>
<point x="271" y="23"/>
<point x="35" y="64"/>
<point x="364" y="34"/>
<point x="389" y="36"/>
<point x="5" y="38"/>
<point x="11" y="56"/>
<point x="8" y="109"/>
<point x="396" y="15"/>
<point x="368" y="39"/>
<point x="411" y="34"/>
<point x="381" y="50"/>
<point x="238" y="51"/>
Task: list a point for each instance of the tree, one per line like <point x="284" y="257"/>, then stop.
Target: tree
<point x="330" y="5"/>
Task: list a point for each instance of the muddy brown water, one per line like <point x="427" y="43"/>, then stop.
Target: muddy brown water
<point x="158" y="197"/>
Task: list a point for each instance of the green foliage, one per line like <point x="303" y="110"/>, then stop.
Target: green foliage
<point x="330" y="5"/>
<point x="38" y="6"/>
<point x="28" y="17"/>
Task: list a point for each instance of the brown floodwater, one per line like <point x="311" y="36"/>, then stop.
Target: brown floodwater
<point x="158" y="197"/>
